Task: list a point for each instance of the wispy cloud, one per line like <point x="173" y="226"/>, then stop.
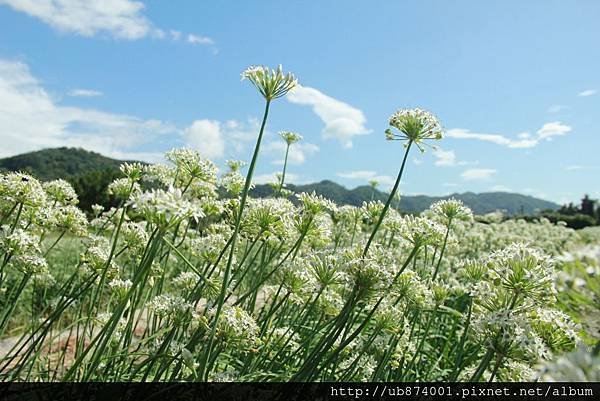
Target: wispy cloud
<point x="290" y="178"/>
<point x="84" y="93"/>
<point x="367" y="175"/>
<point x="552" y="129"/>
<point x="119" y="19"/>
<point x="358" y="174"/>
<point x="478" y="174"/>
<point x="447" y="158"/>
<point x="199" y="40"/>
<point x="342" y="121"/>
<point x="122" y="19"/>
<point x="526" y="140"/>
<point x="462" y="133"/>
<point x="298" y="153"/>
<point x="217" y="139"/>
<point x="31" y="119"/>
<point x="587" y="92"/>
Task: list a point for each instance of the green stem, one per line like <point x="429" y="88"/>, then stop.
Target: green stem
<point x="437" y="267"/>
<point x="12" y="209"/>
<point x="287" y="150"/>
<point x="206" y="356"/>
<point x="389" y="200"/>
<point x="55" y="242"/>
<point x="16" y="223"/>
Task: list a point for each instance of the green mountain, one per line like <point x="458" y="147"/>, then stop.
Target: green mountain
<point x="510" y="203"/>
<point x="90" y="173"/>
<point x="50" y="164"/>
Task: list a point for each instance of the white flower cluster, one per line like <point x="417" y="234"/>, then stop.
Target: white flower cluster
<point x="451" y="209"/>
<point x="171" y="306"/>
<point x="237" y="327"/>
<point x="414" y="125"/>
<point x="290" y="137"/>
<point x="272" y="84"/>
<point x="165" y="208"/>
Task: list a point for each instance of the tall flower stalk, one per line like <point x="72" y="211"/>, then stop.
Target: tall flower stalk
<point x="271" y="84"/>
<point x="413" y="126"/>
<point x="373" y="184"/>
<point x="290" y="138"/>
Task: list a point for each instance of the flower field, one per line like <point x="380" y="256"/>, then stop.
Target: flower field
<point x="191" y="279"/>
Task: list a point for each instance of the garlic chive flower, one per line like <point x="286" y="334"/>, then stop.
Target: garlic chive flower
<point x="451" y="209"/>
<point x="133" y="171"/>
<point x="272" y="84"/>
<point x="61" y="192"/>
<point x="414" y="125"/>
<point x="235" y="165"/>
<point x="290" y="137"/>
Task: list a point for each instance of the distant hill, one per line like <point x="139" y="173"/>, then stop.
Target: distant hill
<point x="88" y="172"/>
<point x="50" y="164"/>
<point x="91" y="172"/>
<point x="510" y="203"/>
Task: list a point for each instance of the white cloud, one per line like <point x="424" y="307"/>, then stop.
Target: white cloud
<point x="31" y="120"/>
<point x="367" y="175"/>
<point x="494" y="138"/>
<point x="526" y="140"/>
<point x="272" y="177"/>
<point x="587" y="92"/>
<point x="199" y="40"/>
<point x="216" y="139"/>
<point x="205" y="136"/>
<point x="447" y="158"/>
<point x="84" y="93"/>
<point x="120" y="19"/>
<point x="444" y="157"/>
<point x="449" y="184"/>
<point x="342" y="121"/>
<point x="478" y="174"/>
<point x="358" y="175"/>
<point x="237" y="134"/>
<point x="297" y="154"/>
<point x="555" y="128"/>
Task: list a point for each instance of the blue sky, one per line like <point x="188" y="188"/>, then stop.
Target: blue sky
<point x="516" y="85"/>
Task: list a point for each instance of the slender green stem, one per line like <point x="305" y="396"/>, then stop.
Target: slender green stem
<point x="287" y="151"/>
<point x="55" y="242"/>
<point x="238" y="220"/>
<point x="16" y="222"/>
<point x="389" y="200"/>
<point x="437" y="267"/>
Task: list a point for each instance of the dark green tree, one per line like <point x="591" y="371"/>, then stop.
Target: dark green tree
<point x="587" y="206"/>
